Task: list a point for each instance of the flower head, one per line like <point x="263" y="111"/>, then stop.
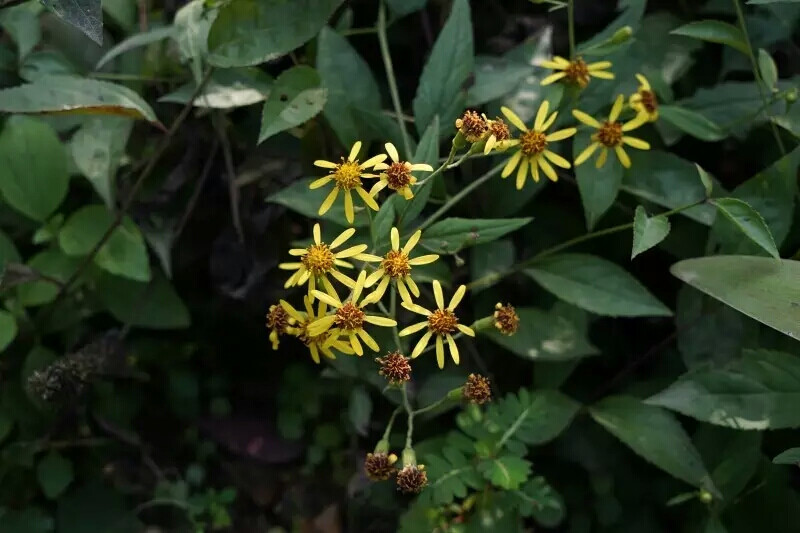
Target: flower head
<point x="472" y="126"/>
<point x="379" y="466"/>
<point x="397" y="265"/>
<point x="320" y="259"/>
<point x="397" y="174"/>
<point x="395" y="368"/>
<point x="349" y="319"/>
<point x="506" y="319"/>
<point x="412" y="479"/>
<point x="277" y="322"/>
<point x="499" y="135"/>
<point x="533" y="145"/>
<point x="576" y="72"/>
<point x="645" y="100"/>
<point x="611" y="135"/>
<point x="346" y="176"/>
<point x="441" y="323"/>
<point x="477" y="389"/>
<point x="322" y="343"/>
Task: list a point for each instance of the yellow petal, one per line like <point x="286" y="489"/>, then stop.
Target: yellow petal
<point x="412" y="242"/>
<point x="522" y="173"/>
<point x="404" y="294"/>
<point x="354" y="151"/>
<point x="548" y="170"/>
<point x="490" y="143"/>
<point x="325" y="164"/>
<point x="368" y="340"/>
<point x="453" y="348"/>
<point x="423" y="260"/>
<point x="421" y="166"/>
<point x="419" y="326"/>
<point x="602" y="74"/>
<point x="412" y="286"/>
<point x="372" y="161"/>
<point x="392" y="151"/>
<point x="535" y="171"/>
<point x="466" y="330"/>
<point x="314" y="352"/>
<point x="541" y="115"/>
<point x="600" y="65"/>
<point x="394" y="237"/>
<point x="347" y="281"/>
<point x="560" y="135"/>
<point x="298" y="251"/>
<point x="456" y="299"/>
<point x="437" y="294"/>
<point x="316" y="184"/>
<point x="556" y="159"/>
<point x="616" y="109"/>
<point x="289" y="266"/>
<point x="348" y="207"/>
<point x="552" y="78"/>
<point x="328" y="201"/>
<point x="645" y="84"/>
<point x="321" y="325"/>
<point x="640" y="120"/>
<point x="374" y="277"/>
<point x="416" y="308"/>
<point x="439" y="351"/>
<point x="317" y="232"/>
<point x="381" y="321"/>
<point x="294" y="313"/>
<point x="342" y="238"/>
<point x="552" y="65"/>
<point x="513" y="118"/>
<point x="586" y="119"/>
<point x="356" y="345"/>
<point x="601" y="159"/>
<point x="421" y="345"/>
<point x="379" y="291"/>
<point x="358" y="289"/>
<point x="378" y="187"/>
<point x="327" y="298"/>
<point x="369" y="200"/>
<point x="623" y="156"/>
<point x="586" y="154"/>
<point x="513" y="161"/>
<point x="636" y="143"/>
<point x="549" y="122"/>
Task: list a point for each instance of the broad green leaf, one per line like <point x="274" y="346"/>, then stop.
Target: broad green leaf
<point x="54" y="473"/>
<point x="714" y="31"/>
<point x="226" y="89"/>
<point x="124" y="254"/>
<point x="300" y="199"/>
<point x="400" y="8"/>
<point x="749" y="222"/>
<point x="8" y="252"/>
<point x="8" y="329"/>
<point x="295" y="98"/>
<point x="249" y="32"/>
<point x="706" y="180"/>
<point x="596" y="285"/>
<point x="768" y="69"/>
<point x="731" y="456"/>
<point x="427" y="152"/>
<point x="757" y="392"/>
<point x="98" y="148"/>
<point x="788" y="457"/>
<point x="761" y="288"/>
<point x="451" y="235"/>
<point x="507" y="472"/>
<point x="382" y="225"/>
<point x="556" y="335"/>
<point x="86" y="15"/>
<point x="495" y="77"/>
<point x="598" y="186"/>
<point x="133" y="42"/>
<point x="192" y="24"/>
<point x="691" y="122"/>
<point x="441" y="89"/>
<point x="655" y="435"/>
<point x="46" y="63"/>
<point x="155" y="305"/>
<point x="53" y="264"/>
<point x="56" y="94"/>
<point x="339" y="65"/>
<point x="491" y="260"/>
<point x="33" y="167"/>
<point x="647" y="231"/>
<point x="21" y="23"/>
<point x="360" y="409"/>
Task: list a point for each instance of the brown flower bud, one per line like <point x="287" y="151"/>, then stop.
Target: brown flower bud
<point x="506" y="319"/>
<point x="477" y="389"/>
<point x="472" y="126"/>
<point x="380" y="466"/>
<point x="277" y="322"/>
<point x="412" y="479"/>
<point x="395" y="368"/>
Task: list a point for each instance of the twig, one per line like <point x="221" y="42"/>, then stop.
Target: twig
<point x="196" y="193"/>
<point x="387" y="63"/>
<point x="233" y="190"/>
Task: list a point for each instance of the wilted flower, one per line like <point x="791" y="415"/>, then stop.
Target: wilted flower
<point x="412" y="479"/>
<point x="277" y="322"/>
<point x="472" y="126"/>
<point x="506" y="319"/>
<point x="477" y="389"/>
<point x="395" y="368"/>
<point x="379" y="466"/>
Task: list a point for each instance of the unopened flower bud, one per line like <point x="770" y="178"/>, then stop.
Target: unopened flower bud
<point x="621" y="35"/>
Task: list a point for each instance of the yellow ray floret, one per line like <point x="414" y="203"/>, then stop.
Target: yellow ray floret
<point x="645" y="100"/>
<point x="323" y="343"/>
<point x="397" y="174"/>
<point x="610" y="135"/>
<point x="576" y="72"/>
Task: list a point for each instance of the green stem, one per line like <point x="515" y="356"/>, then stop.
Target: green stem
<point x="461" y="194"/>
<point x="756" y="72"/>
<point x="571" y="26"/>
<point x="441" y="401"/>
<point x="391" y="314"/>
<point x="387" y="63"/>
<point x="407" y="406"/>
<point x="391" y="423"/>
<point x="358" y="31"/>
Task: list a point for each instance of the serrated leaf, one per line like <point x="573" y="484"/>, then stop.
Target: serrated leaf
<point x="451" y="235"/>
<point x="8" y="329"/>
<point x="450" y="476"/>
<point x="596" y="285"/>
<point x="533" y="418"/>
<point x="655" y="435"/>
<point x="647" y="231"/>
<point x="539" y="500"/>
<point x="714" y="31"/>
<point x="441" y="88"/>
<point x="757" y="392"/>
<point x="54" y="473"/>
<point x="86" y="15"/>
<point x="761" y="288"/>
<point x="691" y="122"/>
<point x="295" y="98"/>
<point x="788" y="457"/>
<point x="749" y="222"/>
<point x="153" y="305"/>
<point x="507" y="472"/>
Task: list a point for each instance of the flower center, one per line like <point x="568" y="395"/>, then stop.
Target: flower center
<point x="398" y="176"/>
<point x="349" y="317"/>
<point x="347" y="175"/>
<point x="318" y="259"/>
<point x="533" y="142"/>
<point x="442" y="322"/>
<point x="649" y="100"/>
<point x="610" y="134"/>
<point x="395" y="263"/>
<point x="499" y="129"/>
<point x="471" y="125"/>
<point x="578" y="73"/>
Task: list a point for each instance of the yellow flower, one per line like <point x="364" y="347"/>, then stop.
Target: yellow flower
<point x="610" y="135"/>
<point x="576" y="72"/>
<point x="316" y="344"/>
<point x="320" y="259"/>
<point x="499" y="135"/>
<point x="645" y="100"/>
<point x="396" y="265"/>
<point x="533" y="144"/>
<point x="397" y="175"/>
<point x="349" y="318"/>
<point x="347" y="176"/>
<point x="442" y="322"/>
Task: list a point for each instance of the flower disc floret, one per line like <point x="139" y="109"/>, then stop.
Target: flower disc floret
<point x="610" y="135"/>
<point x="347" y="174"/>
<point x="396" y="264"/>
<point x="506" y="319"/>
<point x="533" y="142"/>
<point x="397" y="174"/>
<point x="576" y="72"/>
<point x="349" y="318"/>
<point x="443" y="322"/>
<point x="412" y="479"/>
<point x="317" y="343"/>
<point x="380" y="466"/>
<point x="645" y="100"/>
<point x="472" y="126"/>
<point x="319" y="259"/>
<point x="277" y="322"/>
<point x="395" y="368"/>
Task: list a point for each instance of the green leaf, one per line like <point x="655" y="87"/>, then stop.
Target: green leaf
<point x="226" y="89"/>
<point x="249" y="32"/>
<point x="495" y="77"/>
<point x="691" y="122"/>
<point x="757" y="392"/>
<point x="192" y="24"/>
<point x="98" y="148"/>
<point x="21" y="23"/>
<point x="8" y="252"/>
<point x="125" y="252"/>
<point x="450" y="476"/>
<point x="539" y="500"/>
<point x="532" y="418"/>
<point x="300" y="199"/>
<point x="33" y="167"/>
<point x="86" y="15"/>
<point x="360" y="410"/>
<point x="58" y="94"/>
<point x="338" y="65"/>
<point x="441" y="89"/>
<point x="647" y="231"/>
<point x="8" y="329"/>
<point x="706" y="180"/>
<point x="45" y="63"/>
<point x="788" y="457"/>
<point x="155" y="305"/>
<point x="714" y="31"/>
<point x="135" y="41"/>
<point x="598" y="186"/>
<point x="54" y="264"/>
<point x="556" y="335"/>
<point x="761" y="288"/>
<point x="655" y="435"/>
<point x="54" y="473"/>
<point x="749" y="222"/>
<point x="768" y="69"/>
<point x="400" y="8"/>
<point x="596" y="285"/>
<point x="507" y="472"/>
<point x="295" y="98"/>
<point x="451" y="235"/>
